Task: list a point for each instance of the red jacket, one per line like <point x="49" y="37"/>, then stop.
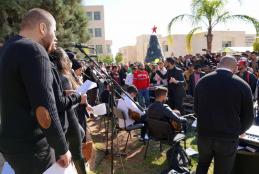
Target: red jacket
<point x="141" y="79"/>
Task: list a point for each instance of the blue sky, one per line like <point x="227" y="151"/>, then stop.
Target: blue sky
<point x="126" y="19"/>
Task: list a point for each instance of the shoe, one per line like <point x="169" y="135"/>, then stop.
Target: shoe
<point x="146" y="138"/>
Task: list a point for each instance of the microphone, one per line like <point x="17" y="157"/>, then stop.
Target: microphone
<point x="80" y="45"/>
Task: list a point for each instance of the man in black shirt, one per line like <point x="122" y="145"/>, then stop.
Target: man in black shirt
<point x="224" y="108"/>
<point x="160" y="111"/>
<point x="30" y="124"/>
<point x="175" y="79"/>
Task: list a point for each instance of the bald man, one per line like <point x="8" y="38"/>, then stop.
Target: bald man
<point x="224" y="108"/>
<point x="29" y="126"/>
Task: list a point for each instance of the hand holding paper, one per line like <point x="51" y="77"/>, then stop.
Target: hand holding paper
<point x="86" y="86"/>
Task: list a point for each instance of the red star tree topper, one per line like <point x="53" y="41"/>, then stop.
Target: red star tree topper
<point x="154" y="29"/>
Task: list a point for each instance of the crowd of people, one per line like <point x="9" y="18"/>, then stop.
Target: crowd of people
<point x="185" y="72"/>
<point x="43" y="119"/>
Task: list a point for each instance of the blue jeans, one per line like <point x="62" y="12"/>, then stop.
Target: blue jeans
<point x="143" y="97"/>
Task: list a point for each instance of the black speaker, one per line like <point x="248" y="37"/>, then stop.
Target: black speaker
<point x="246" y="163"/>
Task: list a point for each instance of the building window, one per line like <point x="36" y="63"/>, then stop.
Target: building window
<point x="108" y="48"/>
<point x="91" y="32"/>
<point x="97" y="15"/>
<point x="165" y="48"/>
<point x="92" y="51"/>
<point x="226" y="44"/>
<point x="99" y="49"/>
<point x="89" y="16"/>
<point x="98" y="32"/>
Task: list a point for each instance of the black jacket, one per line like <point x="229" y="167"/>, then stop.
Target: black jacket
<point x="73" y="134"/>
<point x="191" y="83"/>
<point x="176" y="90"/>
<point x="163" y="112"/>
<point x="250" y="79"/>
<point x="26" y="85"/>
<point x="64" y="103"/>
<point x="223" y="105"/>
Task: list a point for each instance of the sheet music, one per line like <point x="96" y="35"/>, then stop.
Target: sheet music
<point x="99" y="109"/>
<point x="57" y="169"/>
<point x="86" y="86"/>
<point x="191" y="152"/>
<point x="194" y="124"/>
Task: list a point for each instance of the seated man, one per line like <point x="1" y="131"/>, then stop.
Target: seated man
<point x="160" y="111"/>
<point x="125" y="104"/>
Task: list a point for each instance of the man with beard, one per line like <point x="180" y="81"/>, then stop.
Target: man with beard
<point x="175" y="80"/>
<point x="142" y="82"/>
<point x="30" y="125"/>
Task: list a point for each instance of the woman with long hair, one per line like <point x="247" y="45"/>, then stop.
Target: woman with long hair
<point x="75" y="132"/>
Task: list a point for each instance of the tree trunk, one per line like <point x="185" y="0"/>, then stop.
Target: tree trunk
<point x="209" y="37"/>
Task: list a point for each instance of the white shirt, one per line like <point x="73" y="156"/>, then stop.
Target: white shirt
<point x="158" y="78"/>
<point x="124" y="104"/>
<point x="129" y="79"/>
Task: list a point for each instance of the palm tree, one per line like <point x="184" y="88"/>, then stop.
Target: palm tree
<point x="209" y="13"/>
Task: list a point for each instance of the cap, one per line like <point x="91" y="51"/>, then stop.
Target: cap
<point x="241" y="62"/>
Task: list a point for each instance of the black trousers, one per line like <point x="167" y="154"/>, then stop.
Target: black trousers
<point x="143" y="119"/>
<point x="74" y="136"/>
<point x="176" y="102"/>
<point x="34" y="163"/>
<point x="222" y="150"/>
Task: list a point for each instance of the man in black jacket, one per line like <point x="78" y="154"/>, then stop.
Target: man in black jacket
<point x="160" y="111"/>
<point x="30" y="124"/>
<point x="224" y="108"/>
<point x="175" y="79"/>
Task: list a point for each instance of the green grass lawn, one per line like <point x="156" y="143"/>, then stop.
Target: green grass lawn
<point x="134" y="162"/>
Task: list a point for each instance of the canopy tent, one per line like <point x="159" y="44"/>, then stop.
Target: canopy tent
<point x="236" y="49"/>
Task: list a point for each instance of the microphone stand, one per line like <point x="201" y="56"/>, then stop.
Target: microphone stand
<point x="113" y="86"/>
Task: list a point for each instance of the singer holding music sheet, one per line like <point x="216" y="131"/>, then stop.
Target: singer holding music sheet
<point x="224" y="108"/>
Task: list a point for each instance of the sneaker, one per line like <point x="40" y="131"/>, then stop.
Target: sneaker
<point x="146" y="138"/>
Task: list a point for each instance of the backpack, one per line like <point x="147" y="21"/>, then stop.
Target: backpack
<point x="177" y="161"/>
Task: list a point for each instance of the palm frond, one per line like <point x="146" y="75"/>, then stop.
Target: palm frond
<point x="178" y="19"/>
<point x="189" y="38"/>
<point x="245" y="18"/>
<point x="220" y="18"/>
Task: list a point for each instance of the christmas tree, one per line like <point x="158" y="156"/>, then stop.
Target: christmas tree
<point x="154" y="50"/>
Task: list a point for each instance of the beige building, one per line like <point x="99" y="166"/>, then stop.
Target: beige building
<point x="129" y="54"/>
<point x="96" y="29"/>
<point x="221" y="39"/>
